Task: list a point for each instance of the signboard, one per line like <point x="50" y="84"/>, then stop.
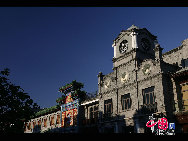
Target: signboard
<point x="69" y="111"/>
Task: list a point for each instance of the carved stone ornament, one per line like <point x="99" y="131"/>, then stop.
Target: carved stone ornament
<point x="146" y="69"/>
<point x="107" y="84"/>
<point x="124" y="77"/>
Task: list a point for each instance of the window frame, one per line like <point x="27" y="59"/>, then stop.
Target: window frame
<point x="148" y="96"/>
<point x="93" y="111"/>
<point x="184" y="63"/>
<point x="126" y="102"/>
<point x="108" y="106"/>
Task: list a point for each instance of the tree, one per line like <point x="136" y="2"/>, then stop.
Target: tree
<point x="16" y="106"/>
<point x="75" y="88"/>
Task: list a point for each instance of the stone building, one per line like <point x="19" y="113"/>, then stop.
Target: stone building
<point x="62" y="118"/>
<point x="44" y="122"/>
<point x="144" y="81"/>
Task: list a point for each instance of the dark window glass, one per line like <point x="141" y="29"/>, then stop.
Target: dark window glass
<point x="126" y="101"/>
<point x="182" y="63"/>
<point x="96" y="111"/>
<point x="144" y="98"/>
<point x="186" y="62"/>
<point x="91" y="112"/>
<point x="148" y="96"/>
<point x="151" y="98"/>
<point x="108" y="106"/>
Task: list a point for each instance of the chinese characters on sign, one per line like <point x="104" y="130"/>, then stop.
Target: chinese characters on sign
<point x="163" y="128"/>
<point x="69" y="111"/>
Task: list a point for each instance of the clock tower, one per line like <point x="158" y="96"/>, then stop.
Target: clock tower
<point x="133" y="43"/>
<point x="140" y="83"/>
<point x="133" y="61"/>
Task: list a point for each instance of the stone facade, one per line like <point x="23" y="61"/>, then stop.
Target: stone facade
<point x="144" y="81"/>
<point x="142" y="65"/>
<point x="176" y="55"/>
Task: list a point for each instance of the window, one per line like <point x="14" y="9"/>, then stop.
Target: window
<point x="29" y="126"/>
<point x="34" y="123"/>
<point x="45" y="122"/>
<point x="108" y="106"/>
<point x="93" y="111"/>
<point x="52" y="121"/>
<point x="39" y="122"/>
<point x="96" y="108"/>
<point x="58" y="119"/>
<point x="148" y="96"/>
<point x="184" y="63"/>
<point x="126" y="102"/>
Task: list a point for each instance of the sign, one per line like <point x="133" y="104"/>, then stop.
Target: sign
<point x="163" y="127"/>
<point x="69" y="111"/>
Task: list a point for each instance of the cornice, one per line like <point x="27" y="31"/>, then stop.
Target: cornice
<point x="108" y="91"/>
<point x="127" y="85"/>
<point x="124" y="64"/>
<point x="149" y="77"/>
<point x="123" y="56"/>
<point x="172" y="51"/>
<point x="108" y="75"/>
<point x="119" y="88"/>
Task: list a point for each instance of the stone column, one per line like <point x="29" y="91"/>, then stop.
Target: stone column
<point x="158" y="52"/>
<point x="134" y="39"/>
<point x="114" y="46"/>
<point x="175" y="95"/>
<point x="100" y="78"/>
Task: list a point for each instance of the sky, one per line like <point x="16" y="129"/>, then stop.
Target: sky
<point x="47" y="47"/>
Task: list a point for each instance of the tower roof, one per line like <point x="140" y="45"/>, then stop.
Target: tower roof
<point x="133" y="26"/>
<point x="130" y="29"/>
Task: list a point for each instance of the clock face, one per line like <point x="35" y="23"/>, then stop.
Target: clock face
<point x="123" y="46"/>
<point x="145" y="43"/>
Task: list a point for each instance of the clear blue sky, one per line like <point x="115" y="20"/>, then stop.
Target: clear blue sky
<point x="48" y="47"/>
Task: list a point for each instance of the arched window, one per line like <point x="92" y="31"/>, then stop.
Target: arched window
<point x="58" y="119"/>
<point x="52" y="120"/>
<point x="45" y="122"/>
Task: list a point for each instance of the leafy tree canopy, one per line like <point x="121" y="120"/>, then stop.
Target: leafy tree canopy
<point x="75" y="88"/>
<point x="16" y="106"/>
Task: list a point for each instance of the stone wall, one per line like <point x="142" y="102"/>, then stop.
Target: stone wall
<point x="42" y="128"/>
<point x="175" y="55"/>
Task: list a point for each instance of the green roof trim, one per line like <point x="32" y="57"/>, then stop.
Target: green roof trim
<point x="47" y="111"/>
